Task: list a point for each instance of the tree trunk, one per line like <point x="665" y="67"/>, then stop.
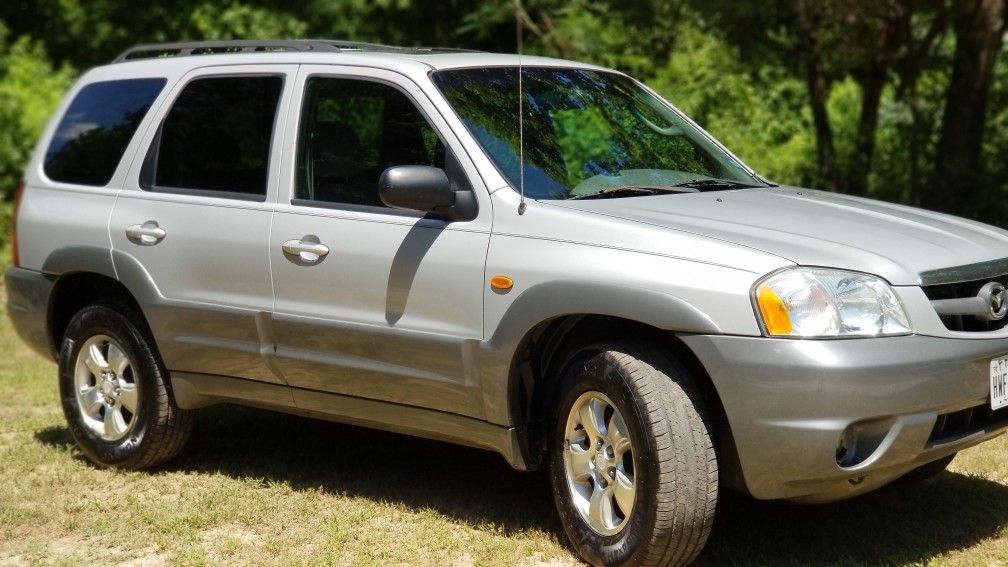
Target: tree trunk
<point x="828" y="176"/>
<point x="864" y="145"/>
<point x="917" y="135"/>
<point x="979" y="26"/>
<point x="909" y="67"/>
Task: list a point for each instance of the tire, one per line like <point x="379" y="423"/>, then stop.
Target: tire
<point x="672" y="465"/>
<point x="927" y="471"/>
<point x="115" y="392"/>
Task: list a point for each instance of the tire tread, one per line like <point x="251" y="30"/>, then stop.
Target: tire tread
<point x="688" y="481"/>
<point x="673" y="417"/>
<point x="169" y="427"/>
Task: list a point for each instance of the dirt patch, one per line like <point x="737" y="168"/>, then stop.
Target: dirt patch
<point x="150" y="558"/>
<point x="92" y="549"/>
<point x="537" y="560"/>
<point x="229" y="533"/>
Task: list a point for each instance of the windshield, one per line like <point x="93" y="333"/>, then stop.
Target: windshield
<point x="585" y="132"/>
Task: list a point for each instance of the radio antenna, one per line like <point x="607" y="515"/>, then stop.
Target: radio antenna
<point x="519" y="29"/>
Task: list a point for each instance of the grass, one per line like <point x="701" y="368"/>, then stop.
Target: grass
<point x="255" y="487"/>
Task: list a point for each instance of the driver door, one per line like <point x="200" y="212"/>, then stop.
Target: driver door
<point x="373" y="302"/>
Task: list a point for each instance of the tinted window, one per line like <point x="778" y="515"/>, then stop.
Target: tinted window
<point x="217" y="135"/>
<point x="351" y="131"/>
<point x="93" y="134"/>
<point x="584" y="131"/>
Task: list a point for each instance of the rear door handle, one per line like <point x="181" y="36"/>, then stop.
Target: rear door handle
<point x="308" y="249"/>
<point x="147" y="234"/>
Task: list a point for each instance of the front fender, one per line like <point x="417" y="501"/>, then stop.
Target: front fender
<point x="566" y="297"/>
<point x="559" y="298"/>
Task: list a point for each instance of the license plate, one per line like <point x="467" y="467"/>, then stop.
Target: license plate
<point x="999" y="382"/>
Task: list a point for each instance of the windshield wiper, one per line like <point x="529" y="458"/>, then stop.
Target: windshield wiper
<point x="713" y="184"/>
<point x="633" y="191"/>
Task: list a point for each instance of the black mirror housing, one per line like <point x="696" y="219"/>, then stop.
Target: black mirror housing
<point x="423" y="188"/>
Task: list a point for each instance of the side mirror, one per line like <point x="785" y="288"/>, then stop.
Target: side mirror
<point x="424" y="188"/>
<point x="416" y="187"/>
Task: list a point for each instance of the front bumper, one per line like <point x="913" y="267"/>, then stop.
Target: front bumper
<point x="907" y="401"/>
<point x="28" y="307"/>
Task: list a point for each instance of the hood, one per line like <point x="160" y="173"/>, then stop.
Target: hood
<point x="817" y="228"/>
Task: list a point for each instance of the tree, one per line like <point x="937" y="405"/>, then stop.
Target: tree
<point x="84" y="33"/>
<point x="29" y="90"/>
<point x="979" y="27"/>
<point x="630" y="36"/>
<point x="828" y="41"/>
<point x="884" y="98"/>
<point x="922" y="41"/>
<point x="818" y="80"/>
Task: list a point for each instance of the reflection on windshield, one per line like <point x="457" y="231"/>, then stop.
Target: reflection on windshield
<point x="585" y="131"/>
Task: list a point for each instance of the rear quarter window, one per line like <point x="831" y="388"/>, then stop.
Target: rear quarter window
<point x="96" y="128"/>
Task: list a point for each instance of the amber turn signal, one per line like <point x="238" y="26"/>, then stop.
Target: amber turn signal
<point x="502" y="283"/>
<point x="775" y="315"/>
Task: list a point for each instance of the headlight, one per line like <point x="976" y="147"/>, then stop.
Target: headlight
<point x="819" y="302"/>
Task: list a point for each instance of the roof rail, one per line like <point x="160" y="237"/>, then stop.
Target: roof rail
<point x="158" y="50"/>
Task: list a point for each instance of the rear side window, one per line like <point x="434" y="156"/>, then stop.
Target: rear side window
<point x="95" y="130"/>
<point x="217" y="137"/>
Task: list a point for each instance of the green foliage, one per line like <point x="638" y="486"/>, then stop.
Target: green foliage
<point x="760" y="114"/>
<point x="5" y="231"/>
<point x="995" y="205"/>
<point x="612" y="34"/>
<point x="844" y="104"/>
<point x="737" y="68"/>
<point x="584" y="136"/>
<point x="214" y="20"/>
<point x="30" y="88"/>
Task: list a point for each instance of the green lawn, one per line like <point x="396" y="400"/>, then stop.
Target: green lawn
<point x="255" y="487"/>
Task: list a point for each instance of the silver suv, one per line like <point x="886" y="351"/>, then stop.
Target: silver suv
<point x="537" y="257"/>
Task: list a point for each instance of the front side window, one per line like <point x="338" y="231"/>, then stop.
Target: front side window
<point x="351" y="131"/>
<point x="96" y="128"/>
<point x="217" y="136"/>
<point x="585" y="132"/>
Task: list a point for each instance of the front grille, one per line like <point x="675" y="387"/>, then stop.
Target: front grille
<point x="958" y="424"/>
<point x="966" y="323"/>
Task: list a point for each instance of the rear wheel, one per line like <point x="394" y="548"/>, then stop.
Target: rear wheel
<point x="632" y="464"/>
<point x="115" y="391"/>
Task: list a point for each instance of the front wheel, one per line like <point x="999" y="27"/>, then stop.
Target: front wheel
<point x="632" y="464"/>
<point x="115" y="391"/>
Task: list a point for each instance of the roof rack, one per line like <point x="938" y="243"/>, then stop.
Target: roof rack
<point x="158" y="50"/>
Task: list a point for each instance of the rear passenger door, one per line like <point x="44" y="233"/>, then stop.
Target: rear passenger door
<point x="393" y="309"/>
<point x="195" y="216"/>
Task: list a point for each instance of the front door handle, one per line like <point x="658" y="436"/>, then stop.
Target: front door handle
<point x="308" y="249"/>
<point x="147" y="234"/>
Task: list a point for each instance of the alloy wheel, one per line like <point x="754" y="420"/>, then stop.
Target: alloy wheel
<point x="599" y="463"/>
<point x="105" y="387"/>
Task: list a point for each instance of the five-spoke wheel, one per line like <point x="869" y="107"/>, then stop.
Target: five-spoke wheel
<point x="599" y="462"/>
<point x="632" y="463"/>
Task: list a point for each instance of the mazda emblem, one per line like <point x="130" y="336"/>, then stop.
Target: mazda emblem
<point x="992" y="295"/>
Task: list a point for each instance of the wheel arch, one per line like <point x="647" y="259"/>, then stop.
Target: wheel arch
<point x="73" y="291"/>
<point x="548" y="347"/>
<point x="84" y="275"/>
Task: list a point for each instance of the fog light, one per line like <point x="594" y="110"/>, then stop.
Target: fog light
<point x="859" y="441"/>
<point x="847" y="448"/>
